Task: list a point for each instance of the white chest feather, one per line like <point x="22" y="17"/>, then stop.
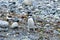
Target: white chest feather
<point x="30" y="22"/>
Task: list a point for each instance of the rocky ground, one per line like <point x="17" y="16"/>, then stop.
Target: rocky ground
<point x="30" y="20"/>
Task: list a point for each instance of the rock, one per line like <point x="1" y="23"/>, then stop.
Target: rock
<point x="58" y="8"/>
<point x="55" y="32"/>
<point x="47" y="25"/>
<point x="15" y="19"/>
<point x="56" y="16"/>
<point x="3" y="29"/>
<point x="20" y="19"/>
<point x="27" y="2"/>
<point x="4" y="23"/>
<point x="25" y="38"/>
<point x="15" y="24"/>
<point x="56" y="0"/>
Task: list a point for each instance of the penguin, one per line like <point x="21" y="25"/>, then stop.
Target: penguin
<point x="30" y="21"/>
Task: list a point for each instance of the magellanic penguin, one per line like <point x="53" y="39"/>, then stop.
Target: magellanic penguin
<point x="31" y="26"/>
<point x="30" y="22"/>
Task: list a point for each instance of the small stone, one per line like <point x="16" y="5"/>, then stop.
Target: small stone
<point x="56" y="16"/>
<point x="56" y="0"/>
<point x="55" y="32"/>
<point x="3" y="29"/>
<point x="27" y="2"/>
<point x="15" y="24"/>
<point x="25" y="38"/>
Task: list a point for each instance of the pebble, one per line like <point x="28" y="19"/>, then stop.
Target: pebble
<point x="56" y="32"/>
<point x="25" y="38"/>
<point x="27" y="2"/>
<point x="14" y="24"/>
<point x="3" y="29"/>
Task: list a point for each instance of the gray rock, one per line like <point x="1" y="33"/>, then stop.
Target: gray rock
<point x="4" y="23"/>
<point x="15" y="24"/>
